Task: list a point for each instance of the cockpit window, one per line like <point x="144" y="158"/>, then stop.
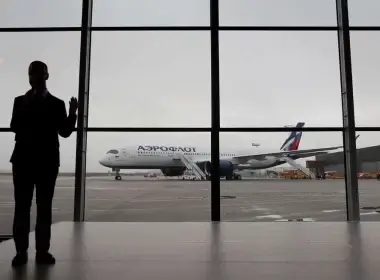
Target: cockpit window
<point x="113" y="152"/>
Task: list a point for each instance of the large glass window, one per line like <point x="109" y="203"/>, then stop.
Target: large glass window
<point x="40" y="13"/>
<point x="368" y="167"/>
<point x="64" y="191"/>
<point x="364" y="12"/>
<point x="6" y="184"/>
<point x="146" y="181"/>
<point x="163" y="79"/>
<point x="279" y="78"/>
<point x="366" y="72"/>
<point x="63" y="63"/>
<point x="277" y="13"/>
<point x="151" y="13"/>
<point x="150" y="79"/>
<point x="60" y="51"/>
<point x="268" y="187"/>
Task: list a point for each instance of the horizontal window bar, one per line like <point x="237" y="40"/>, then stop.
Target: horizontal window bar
<point x="187" y="28"/>
<point x="222" y="129"/>
<point x="278" y="28"/>
<point x="149" y="129"/>
<point x="40" y="29"/>
<point x="5" y="237"/>
<point x="367" y="128"/>
<point x="365" y="28"/>
<point x="279" y="129"/>
<point x="208" y="129"/>
<point x="151" y="28"/>
<point x="136" y="129"/>
<point x="201" y="129"/>
<point x="222" y="28"/>
<point x="296" y="28"/>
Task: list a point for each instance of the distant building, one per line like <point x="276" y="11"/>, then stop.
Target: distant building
<point x="368" y="161"/>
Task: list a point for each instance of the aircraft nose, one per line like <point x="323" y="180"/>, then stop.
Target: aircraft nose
<point x="103" y="161"/>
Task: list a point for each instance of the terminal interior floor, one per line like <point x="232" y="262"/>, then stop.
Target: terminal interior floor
<point x="288" y="250"/>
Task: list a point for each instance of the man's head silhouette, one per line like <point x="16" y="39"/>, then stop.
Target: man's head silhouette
<point x="38" y="74"/>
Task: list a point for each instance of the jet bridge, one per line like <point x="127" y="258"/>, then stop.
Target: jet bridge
<point x="294" y="164"/>
<point x="192" y="166"/>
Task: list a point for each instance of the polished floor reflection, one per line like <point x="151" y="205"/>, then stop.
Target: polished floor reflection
<point x="282" y="250"/>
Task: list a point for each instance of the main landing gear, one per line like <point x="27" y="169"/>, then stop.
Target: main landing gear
<point x="118" y="176"/>
<point x="234" y="176"/>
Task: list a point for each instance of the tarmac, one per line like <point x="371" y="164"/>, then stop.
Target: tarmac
<point x="138" y="199"/>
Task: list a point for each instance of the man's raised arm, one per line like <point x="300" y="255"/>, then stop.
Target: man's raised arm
<point x="67" y="123"/>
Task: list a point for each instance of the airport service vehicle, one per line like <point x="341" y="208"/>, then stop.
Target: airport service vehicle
<point x="173" y="160"/>
<point x="293" y="174"/>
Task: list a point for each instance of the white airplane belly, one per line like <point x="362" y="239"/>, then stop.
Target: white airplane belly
<point x="154" y="160"/>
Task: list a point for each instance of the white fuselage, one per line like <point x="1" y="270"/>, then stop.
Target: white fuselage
<point x="134" y="158"/>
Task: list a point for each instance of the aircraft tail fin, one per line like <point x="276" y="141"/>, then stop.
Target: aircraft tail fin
<point x="293" y="141"/>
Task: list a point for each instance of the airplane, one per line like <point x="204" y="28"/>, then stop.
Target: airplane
<point x="168" y="159"/>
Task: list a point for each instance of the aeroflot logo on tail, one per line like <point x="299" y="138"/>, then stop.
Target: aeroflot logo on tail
<point x="167" y="148"/>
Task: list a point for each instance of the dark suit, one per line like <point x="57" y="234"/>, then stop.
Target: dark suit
<point x="36" y="122"/>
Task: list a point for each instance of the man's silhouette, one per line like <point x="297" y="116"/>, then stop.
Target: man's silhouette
<point x="38" y="118"/>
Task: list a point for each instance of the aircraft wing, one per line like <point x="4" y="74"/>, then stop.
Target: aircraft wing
<point x="298" y="153"/>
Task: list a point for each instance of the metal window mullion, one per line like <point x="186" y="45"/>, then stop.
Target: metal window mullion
<point x="83" y="95"/>
<point x="349" y="134"/>
<point x="185" y="28"/>
<point x="215" y="111"/>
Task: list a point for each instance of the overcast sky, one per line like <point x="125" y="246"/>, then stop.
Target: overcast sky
<point x="163" y="78"/>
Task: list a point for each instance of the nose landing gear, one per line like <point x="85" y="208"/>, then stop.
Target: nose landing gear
<point x="236" y="176"/>
<point x="118" y="176"/>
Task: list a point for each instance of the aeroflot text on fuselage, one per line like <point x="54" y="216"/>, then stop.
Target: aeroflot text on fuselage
<point x="167" y="148"/>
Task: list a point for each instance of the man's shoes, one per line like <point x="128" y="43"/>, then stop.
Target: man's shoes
<point x="20" y="259"/>
<point x="45" y="258"/>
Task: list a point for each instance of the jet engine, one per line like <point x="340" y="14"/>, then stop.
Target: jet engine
<point x="226" y="169"/>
